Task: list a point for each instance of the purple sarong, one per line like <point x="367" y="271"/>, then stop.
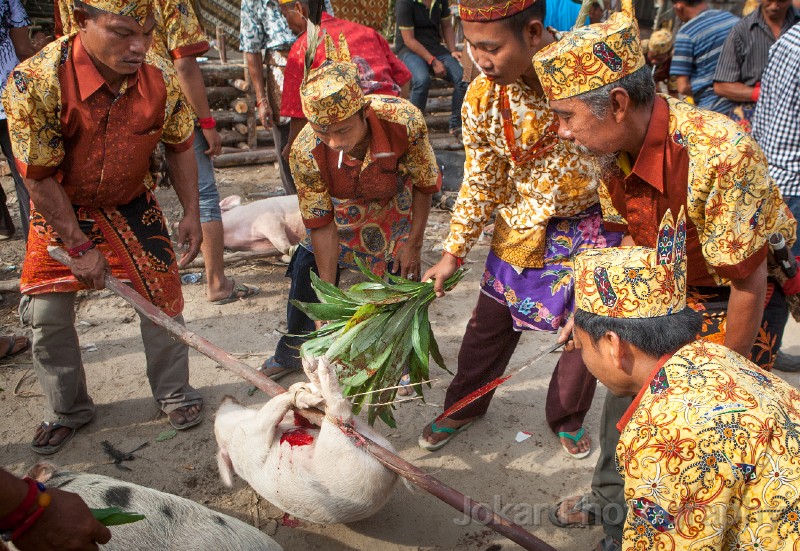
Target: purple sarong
<point x="541" y="299"/>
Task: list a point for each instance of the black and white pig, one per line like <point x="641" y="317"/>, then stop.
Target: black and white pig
<point x="314" y="473"/>
<point x="171" y="523"/>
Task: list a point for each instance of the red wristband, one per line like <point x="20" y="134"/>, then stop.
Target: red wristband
<point x="80" y="250"/>
<point x="13" y="519"/>
<point x="433" y="58"/>
<point x="43" y="501"/>
<point x="756" y="92"/>
<point x="459" y="260"/>
<point x="207" y="123"/>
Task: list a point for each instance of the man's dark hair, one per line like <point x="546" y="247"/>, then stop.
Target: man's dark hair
<point x="690" y="3"/>
<point x="640" y="87"/>
<point x="519" y="21"/>
<point x="653" y="336"/>
<point x="90" y="11"/>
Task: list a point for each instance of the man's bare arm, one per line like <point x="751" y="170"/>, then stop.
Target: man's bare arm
<point x="191" y="81"/>
<point x="183" y="174"/>
<point x="745" y="310"/>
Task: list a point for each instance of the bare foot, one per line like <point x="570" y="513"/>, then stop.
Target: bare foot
<point x="13" y="344"/>
<point x="186" y="416"/>
<point x="48" y="436"/>
<point x="582" y="445"/>
<point x="446" y="423"/>
<point x="566" y="515"/>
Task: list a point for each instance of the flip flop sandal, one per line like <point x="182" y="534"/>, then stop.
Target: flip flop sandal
<point x="12" y="343"/>
<point x="576" y="438"/>
<point x="50" y="450"/>
<point x="188" y="424"/>
<point x="240" y="291"/>
<point x="578" y="507"/>
<point x="405" y="386"/>
<point x="271" y="363"/>
<point x="425" y="445"/>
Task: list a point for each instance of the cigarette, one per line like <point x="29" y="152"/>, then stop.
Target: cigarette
<point x="341" y="153"/>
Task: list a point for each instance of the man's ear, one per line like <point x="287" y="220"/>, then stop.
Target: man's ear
<point x="620" y="104"/>
<point x="615" y="351"/>
<point x="298" y="7"/>
<point x="81" y="18"/>
<point x="533" y="33"/>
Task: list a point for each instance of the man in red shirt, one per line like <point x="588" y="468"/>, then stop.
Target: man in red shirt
<point x="85" y="114"/>
<point x="379" y="70"/>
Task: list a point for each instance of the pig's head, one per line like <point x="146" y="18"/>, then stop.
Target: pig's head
<point x="228" y="415"/>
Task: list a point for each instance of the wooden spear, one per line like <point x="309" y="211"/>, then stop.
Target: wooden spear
<point x="477" y="511"/>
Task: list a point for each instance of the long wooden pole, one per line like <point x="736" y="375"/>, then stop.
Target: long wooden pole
<point x="477" y="511"/>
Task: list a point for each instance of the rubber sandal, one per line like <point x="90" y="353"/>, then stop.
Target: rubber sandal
<point x="50" y="450"/>
<point x="405" y="386"/>
<point x="12" y="342"/>
<point x="576" y="438"/>
<point x="188" y="424"/>
<point x="271" y="363"/>
<point x="425" y="445"/>
<point x="578" y="507"/>
<point x="240" y="291"/>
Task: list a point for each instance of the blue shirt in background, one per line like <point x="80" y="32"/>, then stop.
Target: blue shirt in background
<point x="698" y="45"/>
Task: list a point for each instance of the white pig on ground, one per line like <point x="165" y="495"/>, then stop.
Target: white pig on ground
<point x="171" y="523"/>
<point x="272" y="224"/>
<point x="315" y="474"/>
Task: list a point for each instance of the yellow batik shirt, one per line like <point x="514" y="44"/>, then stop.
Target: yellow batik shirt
<point x="702" y="161"/>
<point x="177" y="34"/>
<point x="525" y="195"/>
<point x="710" y="455"/>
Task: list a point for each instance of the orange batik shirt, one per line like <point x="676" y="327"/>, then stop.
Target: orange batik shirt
<point x="66" y="123"/>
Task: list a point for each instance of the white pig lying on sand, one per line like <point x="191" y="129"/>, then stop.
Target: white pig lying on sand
<point x="272" y="224"/>
<point x="316" y="474"/>
<point x="171" y="523"/>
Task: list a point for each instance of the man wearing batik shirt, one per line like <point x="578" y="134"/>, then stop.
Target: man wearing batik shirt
<point x="547" y="210"/>
<point x="379" y="70"/>
<point x="179" y="39"/>
<point x="365" y="172"/>
<point x="85" y="115"/>
<point x="656" y="154"/>
<point x="709" y="449"/>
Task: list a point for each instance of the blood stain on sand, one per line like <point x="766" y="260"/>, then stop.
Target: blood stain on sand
<point x="290" y="522"/>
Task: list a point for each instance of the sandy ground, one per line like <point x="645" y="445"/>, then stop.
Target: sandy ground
<point x="519" y="479"/>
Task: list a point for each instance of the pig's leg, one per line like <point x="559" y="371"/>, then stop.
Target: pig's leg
<point x="336" y="405"/>
<point x="272" y="414"/>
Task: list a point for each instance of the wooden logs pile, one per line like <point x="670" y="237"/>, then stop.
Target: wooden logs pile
<point x="233" y="106"/>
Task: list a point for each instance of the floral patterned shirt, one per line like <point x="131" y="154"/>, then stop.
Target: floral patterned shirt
<point x="710" y="455"/>
<point x="370" y="201"/>
<point x="526" y="195"/>
<point x="263" y="27"/>
<point x="62" y="115"/>
<point x="703" y="161"/>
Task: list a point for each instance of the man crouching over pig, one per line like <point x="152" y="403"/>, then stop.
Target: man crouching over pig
<point x="365" y="172"/>
<point x="314" y="473"/>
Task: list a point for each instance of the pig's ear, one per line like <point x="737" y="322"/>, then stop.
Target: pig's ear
<point x="225" y="467"/>
<point x="42" y="471"/>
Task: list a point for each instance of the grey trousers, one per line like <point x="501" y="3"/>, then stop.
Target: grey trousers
<point x="57" y="361"/>
<point x="607" y="500"/>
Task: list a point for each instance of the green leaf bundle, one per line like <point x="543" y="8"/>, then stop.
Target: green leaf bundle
<point x="376" y="328"/>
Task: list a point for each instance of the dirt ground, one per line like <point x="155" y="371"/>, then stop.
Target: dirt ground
<point x="518" y="479"/>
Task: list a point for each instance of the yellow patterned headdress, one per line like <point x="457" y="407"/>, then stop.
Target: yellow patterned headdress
<point x="591" y="57"/>
<point x="138" y="9"/>
<point x="635" y="282"/>
<point x="332" y="92"/>
<point x="660" y="42"/>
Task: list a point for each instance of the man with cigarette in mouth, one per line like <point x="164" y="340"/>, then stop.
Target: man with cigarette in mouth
<point x="365" y="172"/>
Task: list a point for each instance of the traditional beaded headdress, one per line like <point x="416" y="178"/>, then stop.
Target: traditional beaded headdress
<point x="591" y="57"/>
<point x="635" y="282"/>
